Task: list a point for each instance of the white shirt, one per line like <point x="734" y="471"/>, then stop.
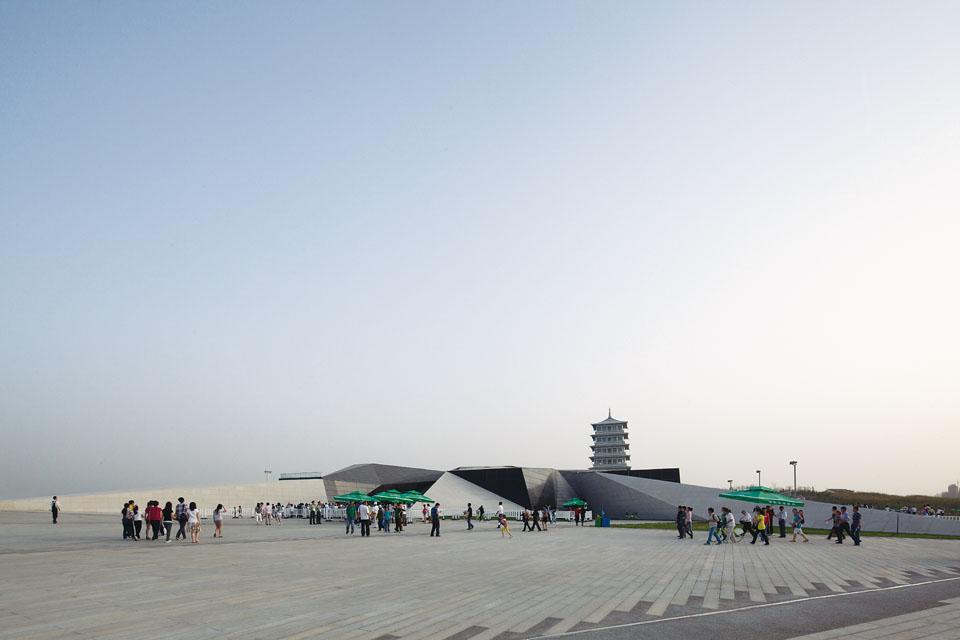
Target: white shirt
<point x="193" y="516"/>
<point x="500" y="510"/>
<point x="364" y="512"/>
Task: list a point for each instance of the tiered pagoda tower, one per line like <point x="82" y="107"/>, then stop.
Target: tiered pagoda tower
<point x="611" y="451"/>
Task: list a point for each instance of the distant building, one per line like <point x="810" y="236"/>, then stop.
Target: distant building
<point x="953" y="491"/>
<point x="610" y="448"/>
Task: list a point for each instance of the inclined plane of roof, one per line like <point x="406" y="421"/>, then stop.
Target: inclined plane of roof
<point x="609" y="421"/>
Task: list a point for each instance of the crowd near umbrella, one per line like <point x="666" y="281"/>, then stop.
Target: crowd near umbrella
<point x="762" y="495"/>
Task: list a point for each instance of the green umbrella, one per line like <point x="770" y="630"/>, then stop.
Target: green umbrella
<point x="387" y="496"/>
<point x="416" y="496"/>
<point x="762" y="495"/>
<point x="575" y="502"/>
<point x="353" y="496"/>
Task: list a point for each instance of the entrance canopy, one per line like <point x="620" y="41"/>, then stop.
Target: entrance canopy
<point x="762" y="495"/>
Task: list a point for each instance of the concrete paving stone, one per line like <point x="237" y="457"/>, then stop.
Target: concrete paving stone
<point x="298" y="581"/>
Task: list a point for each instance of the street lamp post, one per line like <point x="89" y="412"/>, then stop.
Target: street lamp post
<point x="730" y="484"/>
<point x="793" y="463"/>
<point x="266" y="474"/>
<point x="759" y="484"/>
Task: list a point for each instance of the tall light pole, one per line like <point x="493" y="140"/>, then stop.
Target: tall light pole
<point x="266" y="474"/>
<point x="730" y="484"/>
<point x="759" y="484"/>
<point x="793" y="463"/>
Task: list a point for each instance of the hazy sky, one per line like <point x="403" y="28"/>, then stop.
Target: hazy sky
<point x="300" y="236"/>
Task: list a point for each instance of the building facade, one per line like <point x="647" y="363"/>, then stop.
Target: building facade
<point x="610" y="449"/>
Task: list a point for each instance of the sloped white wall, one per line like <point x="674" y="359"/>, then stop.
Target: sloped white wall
<point x="453" y="493"/>
<point x="206" y="498"/>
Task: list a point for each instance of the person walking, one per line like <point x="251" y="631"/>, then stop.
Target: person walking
<point x="364" y="519"/>
<point x="798" y="527"/>
<point x="503" y="525"/>
<point x="181" y="518"/>
<point x="729" y="524"/>
<point x="313" y="511"/>
<point x="386" y="513"/>
<point x="435" y="520"/>
<point x="855" y="526"/>
<point x="351" y="517"/>
<point x="714" y="523"/>
<point x="526" y="521"/>
<point x="760" y="527"/>
<point x="193" y="519"/>
<point x="155" y="518"/>
<point x="167" y="515"/>
<point x="838" y="525"/>
<point x="469" y="514"/>
<point x="746" y="523"/>
<point x="480" y="513"/>
<point x="536" y="519"/>
<point x="55" y="509"/>
<point x="218" y="521"/>
<point x="689" y="522"/>
<point x="681" y="522"/>
<point x="137" y="521"/>
<point x="832" y="521"/>
<point x="782" y="521"/>
<point x="845" y="524"/>
<point x="399" y="518"/>
<point x="545" y="518"/>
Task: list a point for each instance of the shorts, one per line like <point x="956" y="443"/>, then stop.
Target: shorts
<point x="195" y="527"/>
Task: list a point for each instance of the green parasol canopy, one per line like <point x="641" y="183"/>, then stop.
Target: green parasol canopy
<point x="575" y="502"/>
<point x="762" y="495"/>
<point x="353" y="496"/>
<point x="416" y="496"/>
<point x="387" y="496"/>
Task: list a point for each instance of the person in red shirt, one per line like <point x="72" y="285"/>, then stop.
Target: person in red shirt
<point x="155" y="517"/>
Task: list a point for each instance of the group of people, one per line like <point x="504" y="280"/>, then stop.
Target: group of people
<point x="722" y="527"/>
<point x="843" y="524"/>
<point x="532" y="520"/>
<point x="159" y="520"/>
<point x="267" y="513"/>
<point x="385" y="514"/>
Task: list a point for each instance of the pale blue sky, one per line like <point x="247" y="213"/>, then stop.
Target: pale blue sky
<point x="301" y="236"/>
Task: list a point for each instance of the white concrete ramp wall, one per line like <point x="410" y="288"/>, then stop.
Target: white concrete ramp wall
<point x="625" y="494"/>
<point x="206" y="498"/>
<point x="453" y="493"/>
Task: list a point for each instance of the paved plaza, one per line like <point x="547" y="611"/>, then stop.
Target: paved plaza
<point x="80" y="580"/>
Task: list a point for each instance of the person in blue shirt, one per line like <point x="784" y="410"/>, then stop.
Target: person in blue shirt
<point x="435" y="520"/>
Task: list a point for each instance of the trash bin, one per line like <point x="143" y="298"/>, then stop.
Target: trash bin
<point x="605" y="521"/>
